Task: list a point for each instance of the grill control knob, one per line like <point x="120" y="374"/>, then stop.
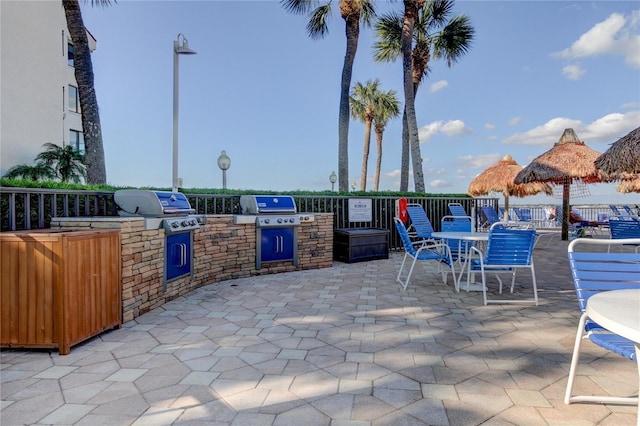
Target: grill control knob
<point x="175" y="225"/>
<point x="267" y="221"/>
<point x="280" y="220"/>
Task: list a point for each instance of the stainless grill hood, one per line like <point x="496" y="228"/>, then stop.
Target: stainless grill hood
<point x="267" y="204"/>
<point x="140" y="202"/>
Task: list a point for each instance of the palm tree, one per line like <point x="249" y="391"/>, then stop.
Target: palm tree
<point x="363" y="102"/>
<point x="387" y="107"/>
<point x="435" y="36"/>
<point x="35" y="173"/>
<point x="83" y="68"/>
<point x="353" y="12"/>
<point x="67" y="163"/>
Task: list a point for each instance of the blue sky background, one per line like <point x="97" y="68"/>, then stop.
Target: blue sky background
<point x="265" y="92"/>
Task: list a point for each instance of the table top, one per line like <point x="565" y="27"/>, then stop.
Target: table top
<point x="458" y="235"/>
<point x="617" y="311"/>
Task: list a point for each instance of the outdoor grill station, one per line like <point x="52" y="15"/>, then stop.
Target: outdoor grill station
<point x="167" y="250"/>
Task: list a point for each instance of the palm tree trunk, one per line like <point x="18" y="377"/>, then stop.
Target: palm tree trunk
<point x="404" y="167"/>
<point x="352" y="29"/>
<point x="410" y="13"/>
<point x="365" y="154"/>
<point x="376" y="184"/>
<point x="92" y="131"/>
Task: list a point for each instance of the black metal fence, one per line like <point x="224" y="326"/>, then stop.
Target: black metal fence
<point x="26" y="208"/>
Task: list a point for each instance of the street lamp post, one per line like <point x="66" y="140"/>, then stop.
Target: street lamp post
<point x="178" y="49"/>
<point x="333" y="179"/>
<point x="224" y="162"/>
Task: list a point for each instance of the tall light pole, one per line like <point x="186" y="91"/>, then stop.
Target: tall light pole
<point x="224" y="162"/>
<point x="333" y="179"/>
<point x="178" y="49"/>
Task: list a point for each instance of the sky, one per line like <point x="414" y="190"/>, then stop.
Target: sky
<point x="263" y="91"/>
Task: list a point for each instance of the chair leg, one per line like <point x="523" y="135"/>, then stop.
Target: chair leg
<point x="575" y="357"/>
<point x="535" y="284"/>
<point x="602" y="399"/>
<point x="398" y="278"/>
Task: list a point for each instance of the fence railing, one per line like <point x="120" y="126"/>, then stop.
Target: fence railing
<point x="27" y="208"/>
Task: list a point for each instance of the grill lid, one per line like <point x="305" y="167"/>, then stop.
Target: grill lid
<point x="141" y="202"/>
<point x="267" y="204"/>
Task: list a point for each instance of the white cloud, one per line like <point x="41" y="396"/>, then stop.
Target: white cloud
<point x="489" y="127"/>
<point x="546" y="134"/>
<point x="477" y="161"/>
<point x="573" y="72"/>
<point x="438" y="85"/>
<point x="616" y="35"/>
<point x="605" y="129"/>
<point x="449" y="128"/>
<point x="438" y="183"/>
<point x="514" y="121"/>
<point x="600" y="39"/>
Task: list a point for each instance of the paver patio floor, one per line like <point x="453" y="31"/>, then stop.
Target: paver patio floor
<point x="337" y="346"/>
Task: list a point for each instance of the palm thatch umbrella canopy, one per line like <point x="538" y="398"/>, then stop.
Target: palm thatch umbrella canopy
<point x="622" y="158"/>
<point x="568" y="160"/>
<point x="500" y="178"/>
<point x="629" y="185"/>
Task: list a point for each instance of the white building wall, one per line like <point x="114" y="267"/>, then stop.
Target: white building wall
<point x="34" y="76"/>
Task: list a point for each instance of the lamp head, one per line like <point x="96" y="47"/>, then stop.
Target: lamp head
<point x="182" y="49"/>
<point x="224" y="162"/>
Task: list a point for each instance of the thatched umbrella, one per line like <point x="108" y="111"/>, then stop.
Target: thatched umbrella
<point x="568" y="160"/>
<point x="499" y="178"/>
<point x="629" y="185"/>
<point x="622" y="158"/>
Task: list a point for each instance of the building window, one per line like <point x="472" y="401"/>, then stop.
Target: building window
<point x="74" y="101"/>
<point x="70" y="55"/>
<point x="76" y="140"/>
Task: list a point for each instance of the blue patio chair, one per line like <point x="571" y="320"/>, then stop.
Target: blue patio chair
<point x="524" y="214"/>
<point x="593" y="272"/>
<point x="490" y="214"/>
<point x="420" y="223"/>
<point x="459" y="212"/>
<point x="508" y="250"/>
<point x="459" y="248"/>
<point x="616" y="211"/>
<point x="624" y="227"/>
<point x="576" y="230"/>
<point x="629" y="211"/>
<point x="423" y="250"/>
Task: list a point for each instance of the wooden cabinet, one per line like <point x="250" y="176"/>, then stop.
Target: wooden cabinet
<point x="360" y="244"/>
<point x="58" y="288"/>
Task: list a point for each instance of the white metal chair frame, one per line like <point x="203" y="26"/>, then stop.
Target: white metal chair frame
<point x="423" y="250"/>
<point x="508" y="249"/>
<point x="593" y="273"/>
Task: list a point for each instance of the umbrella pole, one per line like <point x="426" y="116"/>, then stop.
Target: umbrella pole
<point x="566" y="210"/>
<point x="506" y="207"/>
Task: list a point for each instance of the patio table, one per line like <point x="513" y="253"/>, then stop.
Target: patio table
<point x="474" y="237"/>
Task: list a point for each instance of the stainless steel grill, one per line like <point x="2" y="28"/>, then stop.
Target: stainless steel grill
<point x="276" y="227"/>
<point x="168" y="210"/>
<point x="172" y="212"/>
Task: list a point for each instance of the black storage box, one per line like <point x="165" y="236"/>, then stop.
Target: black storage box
<point x="360" y="244"/>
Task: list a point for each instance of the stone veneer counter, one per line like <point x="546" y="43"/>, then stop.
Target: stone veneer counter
<point x="222" y="250"/>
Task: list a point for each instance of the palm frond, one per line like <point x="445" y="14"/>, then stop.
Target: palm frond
<point x="297" y="7"/>
<point x="389" y="31"/>
<point x="367" y="14"/>
<point x="317" y="27"/>
<point x="455" y="40"/>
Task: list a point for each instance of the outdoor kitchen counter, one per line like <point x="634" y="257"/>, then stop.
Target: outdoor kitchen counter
<point x="222" y="250"/>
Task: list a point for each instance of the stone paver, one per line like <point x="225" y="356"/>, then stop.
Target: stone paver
<point x="338" y="346"/>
